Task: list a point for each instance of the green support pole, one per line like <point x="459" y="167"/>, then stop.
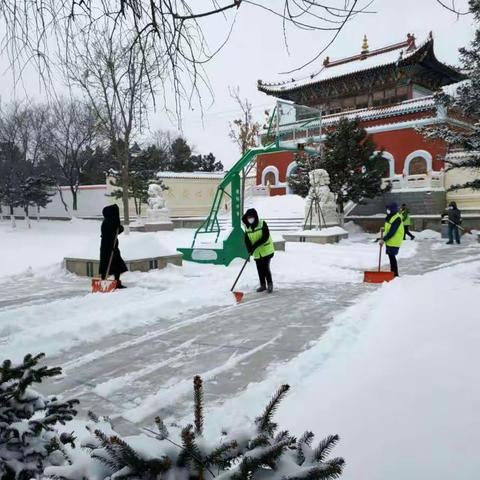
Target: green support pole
<point x="236" y="201"/>
<point x="222" y="253"/>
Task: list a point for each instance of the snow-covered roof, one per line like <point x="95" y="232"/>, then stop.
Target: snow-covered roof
<point x="357" y="63"/>
<point x="407" y="106"/>
<point x="390" y="56"/>
<point x="453" y="87"/>
<point x="198" y="175"/>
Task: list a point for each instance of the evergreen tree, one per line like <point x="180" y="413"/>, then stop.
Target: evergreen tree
<point x="257" y="451"/>
<point x="34" y="189"/>
<point x="11" y="163"/>
<point x="466" y="101"/>
<point x="144" y="167"/>
<point x="206" y="163"/>
<point x="28" y="440"/>
<point x="299" y="180"/>
<point x="181" y="156"/>
<point x="351" y="162"/>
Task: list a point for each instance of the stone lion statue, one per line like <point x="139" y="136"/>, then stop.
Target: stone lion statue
<point x="155" y="197"/>
<point x="320" y="207"/>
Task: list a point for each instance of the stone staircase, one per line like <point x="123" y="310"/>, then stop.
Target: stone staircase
<point x="419" y="203"/>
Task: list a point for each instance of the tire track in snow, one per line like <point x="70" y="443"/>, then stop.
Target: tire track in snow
<point x="98" y="354"/>
<point x="166" y="396"/>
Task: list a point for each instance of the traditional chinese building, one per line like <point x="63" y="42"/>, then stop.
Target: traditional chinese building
<point x="391" y="90"/>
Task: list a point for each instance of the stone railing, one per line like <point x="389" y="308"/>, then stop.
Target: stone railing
<point x="431" y="180"/>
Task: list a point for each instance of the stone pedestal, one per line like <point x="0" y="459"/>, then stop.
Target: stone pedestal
<point x="88" y="267"/>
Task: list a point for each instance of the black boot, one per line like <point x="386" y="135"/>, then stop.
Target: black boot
<point x="270" y="288"/>
<point x="261" y="288"/>
<point x="120" y="284"/>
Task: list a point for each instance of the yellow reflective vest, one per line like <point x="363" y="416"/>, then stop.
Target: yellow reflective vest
<point x="397" y="238"/>
<point x="255" y="234"/>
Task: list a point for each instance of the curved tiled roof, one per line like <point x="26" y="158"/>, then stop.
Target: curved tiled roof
<point x="398" y="55"/>
<point x="407" y="106"/>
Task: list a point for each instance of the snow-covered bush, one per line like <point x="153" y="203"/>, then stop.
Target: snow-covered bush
<point x="28" y="439"/>
<point x="257" y="451"/>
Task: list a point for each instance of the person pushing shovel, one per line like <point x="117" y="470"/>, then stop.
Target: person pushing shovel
<point x="259" y="244"/>
<point x="454" y="221"/>
<point x="111" y="262"/>
<point x="394" y="233"/>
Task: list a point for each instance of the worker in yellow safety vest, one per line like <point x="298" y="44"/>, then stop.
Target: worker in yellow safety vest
<point x="393" y="235"/>
<point x="407" y="222"/>
<point x="259" y="244"/>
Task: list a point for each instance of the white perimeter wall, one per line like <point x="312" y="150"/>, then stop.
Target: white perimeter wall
<point x="90" y="201"/>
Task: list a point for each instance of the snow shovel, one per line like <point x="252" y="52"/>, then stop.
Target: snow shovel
<point x="239" y="295"/>
<point x="378" y="276"/>
<point x="106" y="286"/>
<point x="464" y="230"/>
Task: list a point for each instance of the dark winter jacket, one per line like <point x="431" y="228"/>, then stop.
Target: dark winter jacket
<point x="454" y="214"/>
<point x="110" y="226"/>
<point x="251" y="212"/>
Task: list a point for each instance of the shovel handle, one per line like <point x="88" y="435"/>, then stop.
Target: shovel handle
<point x="111" y="254"/>
<point x="380" y="251"/>
<point x="456" y="224"/>
<point x="240" y="274"/>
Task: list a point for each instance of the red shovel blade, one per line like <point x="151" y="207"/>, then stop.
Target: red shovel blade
<point x="238" y="296"/>
<point x="103" y="286"/>
<point x="377" y="277"/>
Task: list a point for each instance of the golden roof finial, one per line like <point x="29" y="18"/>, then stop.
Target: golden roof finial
<point x="365" y="44"/>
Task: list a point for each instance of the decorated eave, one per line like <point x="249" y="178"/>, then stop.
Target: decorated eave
<point x="375" y="63"/>
<point x="393" y="116"/>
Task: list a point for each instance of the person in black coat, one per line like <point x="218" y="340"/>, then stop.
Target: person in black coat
<point x="454" y="221"/>
<point x="111" y="227"/>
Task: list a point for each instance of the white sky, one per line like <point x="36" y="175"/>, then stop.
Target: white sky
<point x="256" y="51"/>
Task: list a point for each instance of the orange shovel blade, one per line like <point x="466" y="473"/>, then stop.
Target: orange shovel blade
<point x="238" y="296"/>
<point x="103" y="286"/>
<point x="377" y="277"/>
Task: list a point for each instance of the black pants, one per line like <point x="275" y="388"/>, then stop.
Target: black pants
<point x="407" y="232"/>
<point x="263" y="269"/>
<point x="392" y="253"/>
<point x="393" y="264"/>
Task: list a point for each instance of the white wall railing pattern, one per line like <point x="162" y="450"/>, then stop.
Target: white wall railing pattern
<point x="431" y="180"/>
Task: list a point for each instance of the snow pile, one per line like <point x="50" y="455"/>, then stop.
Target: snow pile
<point x="46" y="243"/>
<point x="135" y="246"/>
<point x="394" y="365"/>
<point x="427" y="235"/>
<point x="352" y="227"/>
<point x="279" y="206"/>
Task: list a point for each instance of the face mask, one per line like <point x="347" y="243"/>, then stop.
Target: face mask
<point x="251" y="220"/>
<point x="388" y="211"/>
<point x="450" y="207"/>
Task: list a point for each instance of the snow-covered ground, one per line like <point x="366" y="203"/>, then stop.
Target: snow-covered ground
<point x="36" y="255"/>
<point x="390" y="368"/>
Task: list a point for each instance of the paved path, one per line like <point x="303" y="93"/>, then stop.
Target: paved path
<point x="230" y="347"/>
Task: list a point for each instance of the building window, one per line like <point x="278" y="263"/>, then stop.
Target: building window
<point x="270" y="176"/>
<point x="383" y="167"/>
<point x="418" y="166"/>
<point x="270" y="179"/>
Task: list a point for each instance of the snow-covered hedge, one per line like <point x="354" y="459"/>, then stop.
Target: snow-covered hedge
<point x="30" y="446"/>
<point x="257" y="451"/>
<point x="28" y="438"/>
